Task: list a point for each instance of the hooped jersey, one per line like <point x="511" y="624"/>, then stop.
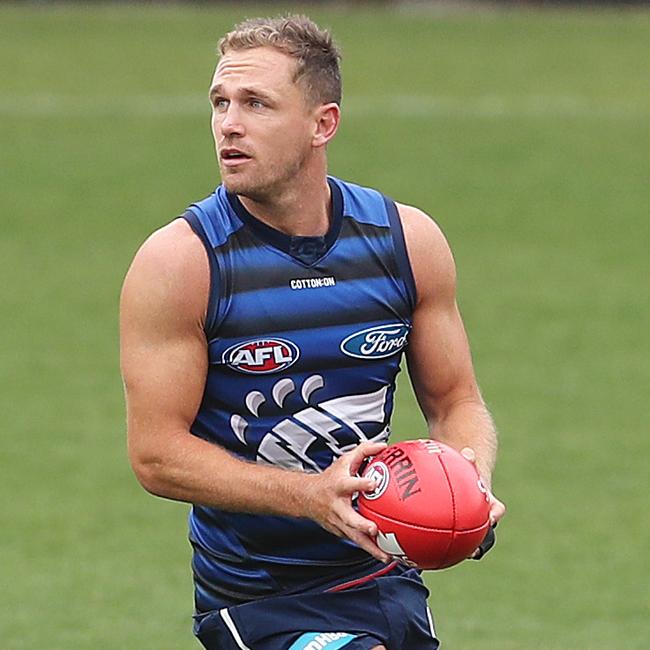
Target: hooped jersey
<point x="305" y="337"/>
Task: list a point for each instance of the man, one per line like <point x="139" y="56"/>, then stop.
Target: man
<point x="261" y="337"/>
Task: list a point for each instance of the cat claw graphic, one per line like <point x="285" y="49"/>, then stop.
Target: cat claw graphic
<point x="288" y="442"/>
<point x="280" y="391"/>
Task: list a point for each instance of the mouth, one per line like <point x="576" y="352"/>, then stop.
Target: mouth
<point x="231" y="157"/>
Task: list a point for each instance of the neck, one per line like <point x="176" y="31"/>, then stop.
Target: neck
<point x="302" y="210"/>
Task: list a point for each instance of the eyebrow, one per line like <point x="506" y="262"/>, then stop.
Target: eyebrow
<point x="217" y="90"/>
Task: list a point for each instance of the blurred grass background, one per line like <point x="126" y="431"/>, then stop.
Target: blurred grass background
<point x="524" y="133"/>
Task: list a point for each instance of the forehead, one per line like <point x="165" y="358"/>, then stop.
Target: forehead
<point x="261" y="65"/>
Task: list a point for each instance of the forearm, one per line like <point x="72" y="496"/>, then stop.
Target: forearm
<point x="187" y="468"/>
<point x="468" y="423"/>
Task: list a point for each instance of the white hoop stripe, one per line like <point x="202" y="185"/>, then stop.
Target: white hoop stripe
<point x="230" y="624"/>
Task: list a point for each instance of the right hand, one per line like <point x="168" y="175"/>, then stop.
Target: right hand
<point x="329" y="499"/>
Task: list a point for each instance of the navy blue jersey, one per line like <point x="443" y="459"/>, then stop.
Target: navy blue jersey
<point x="305" y="337"/>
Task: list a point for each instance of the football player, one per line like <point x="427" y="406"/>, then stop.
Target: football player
<point x="261" y="335"/>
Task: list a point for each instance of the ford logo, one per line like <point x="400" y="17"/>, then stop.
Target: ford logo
<point x="376" y="342"/>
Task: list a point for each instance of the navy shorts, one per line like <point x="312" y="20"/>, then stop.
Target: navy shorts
<point x="387" y="606"/>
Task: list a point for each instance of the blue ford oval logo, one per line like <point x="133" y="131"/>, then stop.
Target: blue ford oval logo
<point x="376" y="342"/>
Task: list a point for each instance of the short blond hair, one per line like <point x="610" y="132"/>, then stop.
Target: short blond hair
<point x="317" y="57"/>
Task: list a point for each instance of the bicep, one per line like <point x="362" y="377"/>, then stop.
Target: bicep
<point x="438" y="355"/>
<point x="164" y="376"/>
<point x="163" y="351"/>
<point x="439" y="360"/>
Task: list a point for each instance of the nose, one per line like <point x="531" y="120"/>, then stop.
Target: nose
<point x="229" y="121"/>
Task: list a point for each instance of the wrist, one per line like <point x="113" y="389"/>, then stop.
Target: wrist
<point x="294" y="493"/>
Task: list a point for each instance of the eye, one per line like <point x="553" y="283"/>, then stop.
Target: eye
<point x="219" y="103"/>
<point x="256" y="104"/>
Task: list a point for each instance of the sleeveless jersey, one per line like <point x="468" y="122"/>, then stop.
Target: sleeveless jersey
<point x="305" y="337"/>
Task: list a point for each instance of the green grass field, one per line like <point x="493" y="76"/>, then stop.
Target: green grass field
<point x="525" y="134"/>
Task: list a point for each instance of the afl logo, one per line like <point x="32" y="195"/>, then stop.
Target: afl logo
<point x="376" y="342"/>
<point x="261" y="356"/>
<point x="380" y="473"/>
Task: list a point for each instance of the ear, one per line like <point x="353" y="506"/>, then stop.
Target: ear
<point x="326" y="123"/>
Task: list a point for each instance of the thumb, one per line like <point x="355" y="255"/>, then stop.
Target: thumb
<point x="469" y="454"/>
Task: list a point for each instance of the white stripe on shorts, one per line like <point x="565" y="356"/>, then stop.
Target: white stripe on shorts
<point x="433" y="631"/>
<point x="230" y="624"/>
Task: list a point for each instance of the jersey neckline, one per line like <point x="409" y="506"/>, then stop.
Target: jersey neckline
<point x="307" y="250"/>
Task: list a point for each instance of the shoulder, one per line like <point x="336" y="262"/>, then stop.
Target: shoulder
<point x="169" y="273"/>
<point x="429" y="253"/>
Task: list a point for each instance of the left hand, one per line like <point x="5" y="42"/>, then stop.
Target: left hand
<point x="497" y="510"/>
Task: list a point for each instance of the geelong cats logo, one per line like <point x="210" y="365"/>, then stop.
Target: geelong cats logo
<point x="304" y="432"/>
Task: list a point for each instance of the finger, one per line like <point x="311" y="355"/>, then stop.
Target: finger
<point x="349" y="518"/>
<point x="352" y="484"/>
<point x="469" y="454"/>
<point x="360" y="530"/>
<point x="497" y="510"/>
<point x="368" y="544"/>
<point x="362" y="451"/>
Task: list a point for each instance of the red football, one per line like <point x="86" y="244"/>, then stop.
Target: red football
<point x="430" y="505"/>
